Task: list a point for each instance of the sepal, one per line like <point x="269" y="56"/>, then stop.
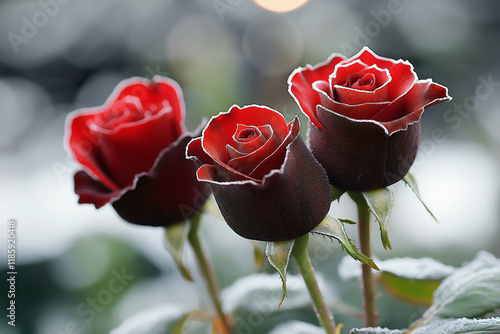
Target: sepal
<point x="278" y="254"/>
<point x="174" y="240"/>
<point x="380" y="202"/>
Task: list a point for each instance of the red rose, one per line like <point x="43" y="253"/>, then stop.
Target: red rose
<point x="132" y="151"/>
<point x="266" y="182"/>
<point x="364" y="115"/>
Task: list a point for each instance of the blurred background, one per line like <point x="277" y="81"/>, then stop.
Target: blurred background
<point x="60" y="55"/>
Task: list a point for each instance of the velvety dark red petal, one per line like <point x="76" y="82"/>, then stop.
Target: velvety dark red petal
<point x="219" y="131"/>
<point x="357" y="111"/>
<point x="301" y="80"/>
<point x="360" y="155"/>
<point x="92" y="191"/>
<point x="403" y="76"/>
<point x="170" y="193"/>
<point x="409" y="107"/>
<point x="291" y="201"/>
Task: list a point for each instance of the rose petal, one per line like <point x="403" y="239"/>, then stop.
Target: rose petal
<point x="266" y="132"/>
<point x="220" y="129"/>
<point x="152" y="96"/>
<point x="401" y="71"/>
<point x="169" y="193"/>
<point x="291" y="201"/>
<point x="275" y="159"/>
<point x="408" y="108"/>
<point x="129" y="151"/>
<point x="351" y="95"/>
<point x="247" y="163"/>
<point x="364" y="156"/>
<point x="358" y="111"/>
<point x="249" y="138"/>
<point x="92" y="191"/>
<point x="195" y="152"/>
<point x="233" y="153"/>
<point x="226" y="173"/>
<point x="83" y="144"/>
<point x="302" y="79"/>
<point x="85" y="138"/>
<point x="363" y="81"/>
<point x="207" y="171"/>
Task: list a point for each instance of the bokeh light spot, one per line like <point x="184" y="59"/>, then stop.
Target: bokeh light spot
<point x="280" y="6"/>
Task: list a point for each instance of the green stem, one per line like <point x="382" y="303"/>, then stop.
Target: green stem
<point x="368" y="284"/>
<point x="306" y="269"/>
<point x="207" y="272"/>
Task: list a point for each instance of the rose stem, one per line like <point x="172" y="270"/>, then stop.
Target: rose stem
<point x="306" y="269"/>
<point x="207" y="271"/>
<point x="368" y="284"/>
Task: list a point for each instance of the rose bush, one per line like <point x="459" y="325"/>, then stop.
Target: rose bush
<point x="364" y="115"/>
<point x="132" y="152"/>
<point x="266" y="182"/>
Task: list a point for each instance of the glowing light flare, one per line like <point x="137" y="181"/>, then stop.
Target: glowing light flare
<point x="280" y="6"/>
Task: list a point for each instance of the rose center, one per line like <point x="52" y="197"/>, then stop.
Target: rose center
<point x="362" y="81"/>
<point x="246" y="135"/>
<point x="248" y="138"/>
<point x="250" y="147"/>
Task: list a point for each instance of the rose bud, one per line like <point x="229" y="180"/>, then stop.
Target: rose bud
<point x="267" y="184"/>
<point x="132" y="150"/>
<point x="364" y="115"/>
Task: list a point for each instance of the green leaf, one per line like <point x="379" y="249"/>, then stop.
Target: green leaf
<point x="278" y="254"/>
<point x="413" y="280"/>
<point x="470" y="291"/>
<point x="336" y="193"/>
<point x="418" y="292"/>
<point x="333" y="228"/>
<point x="175" y="239"/>
<point x="410" y="181"/>
<point x="164" y="319"/>
<point x="455" y="326"/>
<point x="460" y="326"/>
<point x="375" y="330"/>
<point x="380" y="202"/>
<point x="259" y="293"/>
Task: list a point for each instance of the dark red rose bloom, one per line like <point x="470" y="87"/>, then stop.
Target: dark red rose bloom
<point x="364" y="115"/>
<point x="266" y="182"/>
<point x="132" y="152"/>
